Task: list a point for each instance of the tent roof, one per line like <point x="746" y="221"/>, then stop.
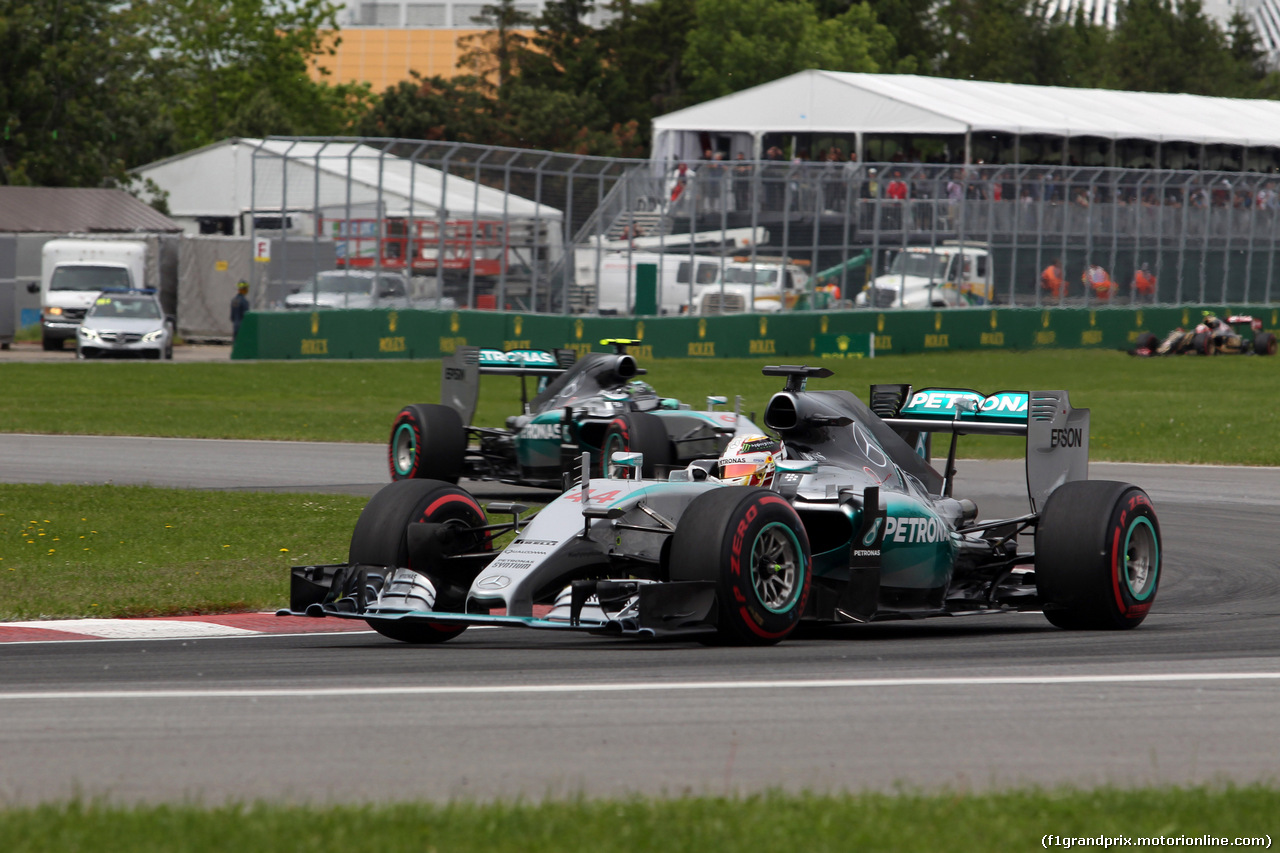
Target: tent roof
<point x="218" y="180"/>
<point x="833" y="101"/>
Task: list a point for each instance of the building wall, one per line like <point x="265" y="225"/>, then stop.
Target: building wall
<point x="382" y="57"/>
<point x="381" y="42"/>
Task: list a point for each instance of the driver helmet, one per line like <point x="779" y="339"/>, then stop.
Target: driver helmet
<point x="640" y="388"/>
<point x="749" y="460"/>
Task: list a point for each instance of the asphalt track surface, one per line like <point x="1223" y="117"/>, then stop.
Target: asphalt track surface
<point x="1191" y="696"/>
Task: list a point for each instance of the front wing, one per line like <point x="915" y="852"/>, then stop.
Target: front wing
<point x="630" y="608"/>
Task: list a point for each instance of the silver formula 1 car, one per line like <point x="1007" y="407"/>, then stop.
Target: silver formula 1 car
<point x="857" y="526"/>
<point x="597" y="403"/>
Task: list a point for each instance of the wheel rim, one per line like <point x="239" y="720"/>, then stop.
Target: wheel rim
<point x="1141" y="559"/>
<point x="404" y="449"/>
<point x="777" y="567"/>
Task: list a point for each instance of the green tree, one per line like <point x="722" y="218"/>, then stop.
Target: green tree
<point x="75" y="95"/>
<point x="1157" y="48"/>
<point x="999" y="40"/>
<point x="736" y="44"/>
<point x="241" y="67"/>
<point x="455" y="109"/>
<point x="494" y="53"/>
<point x="643" y="49"/>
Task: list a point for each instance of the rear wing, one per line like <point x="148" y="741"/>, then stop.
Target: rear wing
<point x="1057" y="435"/>
<point x="461" y="371"/>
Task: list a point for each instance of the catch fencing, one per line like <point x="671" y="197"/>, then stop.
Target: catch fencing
<point x="530" y="231"/>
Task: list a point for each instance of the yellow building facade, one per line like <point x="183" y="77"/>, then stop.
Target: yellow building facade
<point x="383" y="56"/>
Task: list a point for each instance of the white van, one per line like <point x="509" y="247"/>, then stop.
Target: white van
<point x="690" y="284"/>
<point x="763" y="287"/>
<point x="74" y="272"/>
<point x="947" y="276"/>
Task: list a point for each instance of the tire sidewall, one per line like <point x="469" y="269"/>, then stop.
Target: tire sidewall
<point x="439" y="443"/>
<point x="618" y="433"/>
<point x="640" y="432"/>
<point x="405" y="502"/>
<point x="1132" y="512"/>
<point x="406" y="426"/>
<point x="748" y="618"/>
<point x="1081" y="546"/>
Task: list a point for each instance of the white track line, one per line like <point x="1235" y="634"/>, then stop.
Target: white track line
<point x="655" y="687"/>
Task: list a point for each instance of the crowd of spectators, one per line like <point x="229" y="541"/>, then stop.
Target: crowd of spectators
<point x="833" y="180"/>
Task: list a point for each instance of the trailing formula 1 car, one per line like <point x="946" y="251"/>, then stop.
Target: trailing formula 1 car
<point x="854" y="526"/>
<point x="1239" y="334"/>
<point x="597" y="404"/>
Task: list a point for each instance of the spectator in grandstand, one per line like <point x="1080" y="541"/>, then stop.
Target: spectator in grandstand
<point x="741" y="183"/>
<point x="897" y="189"/>
<point x="713" y="173"/>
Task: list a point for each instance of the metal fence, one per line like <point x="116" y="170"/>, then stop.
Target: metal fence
<point x="488" y="227"/>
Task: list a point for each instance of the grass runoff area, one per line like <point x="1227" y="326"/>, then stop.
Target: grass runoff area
<point x="1187" y="409"/>
<point x="765" y="823"/>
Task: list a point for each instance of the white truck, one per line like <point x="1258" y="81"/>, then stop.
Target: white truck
<point x="73" y="272"/>
<point x="951" y="275"/>
<point x="693" y="284"/>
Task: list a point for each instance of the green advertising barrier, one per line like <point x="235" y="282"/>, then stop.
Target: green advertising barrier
<point x="800" y="335"/>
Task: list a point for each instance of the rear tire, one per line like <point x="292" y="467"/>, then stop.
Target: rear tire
<point x="637" y="432"/>
<point x="1097" y="555"/>
<point x="380" y="539"/>
<point x="428" y="441"/>
<point x="753" y="545"/>
<point x="1264" y="343"/>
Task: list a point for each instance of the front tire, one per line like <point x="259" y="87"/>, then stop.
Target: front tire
<point x="1097" y="555"/>
<point x="637" y="432"/>
<point x="753" y="545"/>
<point x="380" y="538"/>
<point x="428" y="441"/>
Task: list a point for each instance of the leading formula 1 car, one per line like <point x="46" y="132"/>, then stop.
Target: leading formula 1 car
<point x="856" y="527"/>
<point x="597" y="403"/>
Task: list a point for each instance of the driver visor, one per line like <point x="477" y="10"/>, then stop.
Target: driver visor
<point x="735" y="470"/>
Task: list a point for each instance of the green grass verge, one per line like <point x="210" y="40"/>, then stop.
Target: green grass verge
<point x="966" y="822"/>
<point x="111" y="551"/>
<point x="1200" y="410"/>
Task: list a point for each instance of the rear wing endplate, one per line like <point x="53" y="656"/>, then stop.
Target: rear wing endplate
<point x="461" y="371"/>
<point x="1057" y="435"/>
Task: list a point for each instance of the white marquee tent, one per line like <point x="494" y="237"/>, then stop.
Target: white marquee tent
<point x="226" y="180"/>
<point x="816" y="101"/>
